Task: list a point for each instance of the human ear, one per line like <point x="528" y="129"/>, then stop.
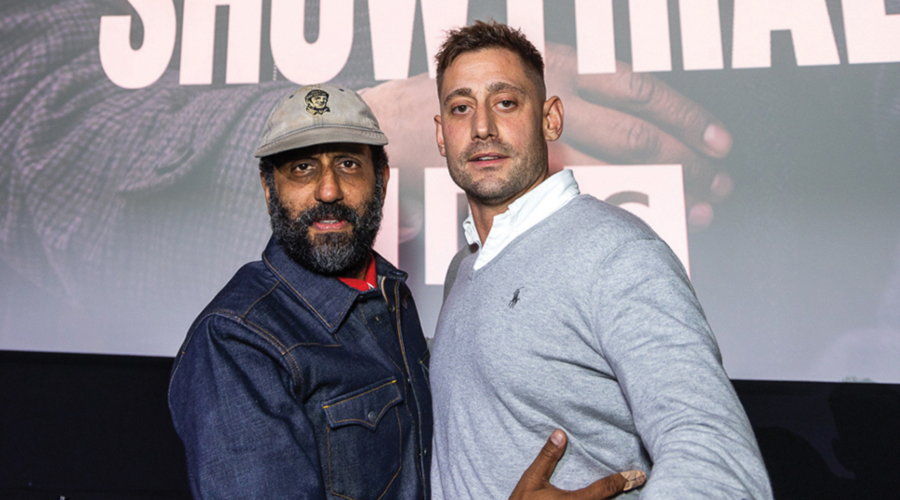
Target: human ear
<point x="265" y="186"/>
<point x="552" y="123"/>
<point x="439" y="135"/>
<point x="387" y="177"/>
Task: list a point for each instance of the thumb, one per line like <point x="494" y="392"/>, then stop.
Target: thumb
<point x="539" y="472"/>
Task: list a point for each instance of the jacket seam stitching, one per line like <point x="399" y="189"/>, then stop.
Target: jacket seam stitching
<point x="387" y="406"/>
<point x="362" y="394"/>
<point x="316" y="311"/>
<point x="268" y="292"/>
<point x="285" y="352"/>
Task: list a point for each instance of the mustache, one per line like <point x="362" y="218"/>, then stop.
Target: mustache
<point x="489" y="145"/>
<point x="322" y="211"/>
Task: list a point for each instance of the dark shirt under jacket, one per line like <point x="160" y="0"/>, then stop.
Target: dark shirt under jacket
<point x="293" y="385"/>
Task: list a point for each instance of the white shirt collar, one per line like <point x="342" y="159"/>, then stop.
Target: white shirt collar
<point x="522" y="214"/>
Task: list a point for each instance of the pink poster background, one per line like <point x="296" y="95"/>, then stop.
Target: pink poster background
<point x="129" y="195"/>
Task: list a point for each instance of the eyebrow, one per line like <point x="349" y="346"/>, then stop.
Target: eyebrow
<point x="504" y="87"/>
<point x="464" y="92"/>
<point x="491" y="88"/>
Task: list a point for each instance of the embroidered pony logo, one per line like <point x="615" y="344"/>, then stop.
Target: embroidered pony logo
<point x="515" y="299"/>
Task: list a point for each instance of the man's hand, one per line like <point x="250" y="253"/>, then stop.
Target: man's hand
<point x="535" y="483"/>
<point x="627" y="117"/>
<point x="405" y="111"/>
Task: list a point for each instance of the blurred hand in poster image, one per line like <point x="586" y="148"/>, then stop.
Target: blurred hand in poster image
<point x="123" y="210"/>
<point x="112" y="196"/>
<point x="635" y="118"/>
<point x="621" y="118"/>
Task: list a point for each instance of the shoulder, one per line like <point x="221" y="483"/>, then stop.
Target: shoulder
<point x="226" y="314"/>
<point x="252" y="282"/>
<point x="587" y="222"/>
<point x="591" y="213"/>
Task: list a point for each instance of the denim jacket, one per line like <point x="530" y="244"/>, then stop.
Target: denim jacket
<point x="293" y="385"/>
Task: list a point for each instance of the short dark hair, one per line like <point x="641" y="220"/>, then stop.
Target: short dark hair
<point x="268" y="164"/>
<point x="491" y="35"/>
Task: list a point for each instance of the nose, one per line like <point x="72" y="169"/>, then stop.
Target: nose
<point x="328" y="187"/>
<point x="483" y="126"/>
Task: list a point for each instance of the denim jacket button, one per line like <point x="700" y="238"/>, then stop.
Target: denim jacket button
<point x="392" y="308"/>
<point x="372" y="416"/>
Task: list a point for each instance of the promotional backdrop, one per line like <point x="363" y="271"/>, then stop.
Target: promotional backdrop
<point x="759" y="138"/>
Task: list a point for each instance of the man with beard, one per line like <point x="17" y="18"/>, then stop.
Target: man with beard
<point x="564" y="312"/>
<point x="306" y="376"/>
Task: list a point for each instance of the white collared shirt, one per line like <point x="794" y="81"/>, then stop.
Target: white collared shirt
<point x="522" y="214"/>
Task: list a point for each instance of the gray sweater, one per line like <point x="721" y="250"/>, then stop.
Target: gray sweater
<point x="586" y="322"/>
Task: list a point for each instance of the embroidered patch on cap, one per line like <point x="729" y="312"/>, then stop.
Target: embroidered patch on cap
<point x="317" y="102"/>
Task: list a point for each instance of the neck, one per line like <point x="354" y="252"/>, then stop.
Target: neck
<point x="483" y="213"/>
<point x="483" y="217"/>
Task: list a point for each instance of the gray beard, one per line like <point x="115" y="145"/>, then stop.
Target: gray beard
<point x="327" y="254"/>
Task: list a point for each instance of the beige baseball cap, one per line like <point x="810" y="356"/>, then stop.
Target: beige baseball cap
<point x="319" y="114"/>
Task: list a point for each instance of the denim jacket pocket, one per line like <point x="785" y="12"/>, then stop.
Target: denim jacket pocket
<point x="364" y="441"/>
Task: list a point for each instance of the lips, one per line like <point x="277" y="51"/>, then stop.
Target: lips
<point x="330" y="224"/>
<point x="325" y="218"/>
<point x="487" y="159"/>
<point x="489" y="153"/>
<point x="490" y="156"/>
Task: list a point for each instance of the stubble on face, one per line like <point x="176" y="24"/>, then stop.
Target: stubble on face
<point x="496" y="189"/>
<point x="482" y="79"/>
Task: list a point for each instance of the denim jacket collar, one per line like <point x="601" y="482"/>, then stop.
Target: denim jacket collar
<point x="327" y="298"/>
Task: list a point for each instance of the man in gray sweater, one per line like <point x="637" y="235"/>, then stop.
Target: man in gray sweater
<point x="565" y="312"/>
